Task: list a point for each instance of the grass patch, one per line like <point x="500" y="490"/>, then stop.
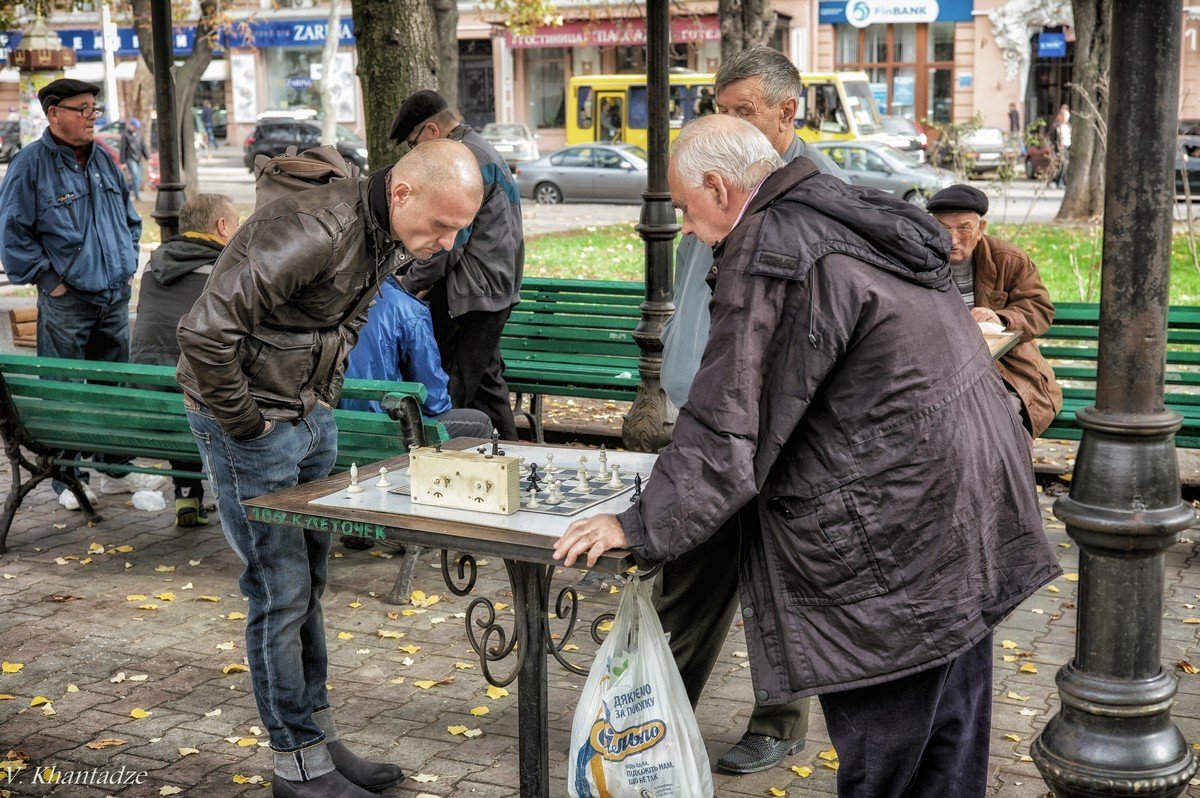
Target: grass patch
<point x="1067" y="256"/>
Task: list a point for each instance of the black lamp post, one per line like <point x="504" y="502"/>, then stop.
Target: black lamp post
<point x="1114" y="735"/>
<point x="649" y="424"/>
<point x="170" y="186"/>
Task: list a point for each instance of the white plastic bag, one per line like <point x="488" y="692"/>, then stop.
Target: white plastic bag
<point x="634" y="733"/>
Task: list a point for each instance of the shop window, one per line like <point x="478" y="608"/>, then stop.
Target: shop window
<point x="847" y="44"/>
<point x="290" y="83"/>
<point x="632" y="58"/>
<point x="545" y="83"/>
<point x="941" y="92"/>
<point x="910" y="66"/>
<point x="904" y="43"/>
<point x="941" y="41"/>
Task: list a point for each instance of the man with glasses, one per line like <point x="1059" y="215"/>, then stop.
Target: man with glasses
<point x="67" y="226"/>
<point x="1001" y="286"/>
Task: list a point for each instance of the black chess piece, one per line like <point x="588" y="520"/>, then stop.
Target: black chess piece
<point x="637" y="488"/>
<point x="534" y="483"/>
<point x="437" y="447"/>
<point x="496" y="443"/>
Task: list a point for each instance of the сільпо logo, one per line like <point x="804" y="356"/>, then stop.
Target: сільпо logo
<point x="615" y="745"/>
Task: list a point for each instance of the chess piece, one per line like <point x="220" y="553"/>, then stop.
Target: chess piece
<point x="533" y="503"/>
<point x="496" y="442"/>
<point x="551" y="468"/>
<point x="354" y="486"/>
<point x="603" y="461"/>
<point x="556" y="494"/>
<point x="534" y="479"/>
<point x="637" y="488"/>
<point x="614" y="481"/>
<point x="437" y="447"/>
<point x="583" y="476"/>
<point x="383" y="480"/>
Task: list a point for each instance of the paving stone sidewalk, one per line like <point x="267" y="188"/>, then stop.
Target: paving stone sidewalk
<point x="135" y="614"/>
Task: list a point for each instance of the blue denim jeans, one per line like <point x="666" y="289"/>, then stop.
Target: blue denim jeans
<point x="135" y="178"/>
<point x="284" y="577"/>
<point x="70" y="327"/>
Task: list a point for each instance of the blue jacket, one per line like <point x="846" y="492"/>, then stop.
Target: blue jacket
<point x="60" y="223"/>
<point x="397" y="344"/>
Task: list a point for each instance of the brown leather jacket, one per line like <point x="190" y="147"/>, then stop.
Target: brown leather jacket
<point x="1007" y="282"/>
<point x="269" y="336"/>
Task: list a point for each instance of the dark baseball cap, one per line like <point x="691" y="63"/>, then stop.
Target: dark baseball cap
<point x="417" y="107"/>
<point x="57" y="91"/>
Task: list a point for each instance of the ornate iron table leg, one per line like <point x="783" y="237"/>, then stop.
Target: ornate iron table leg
<point x="402" y="587"/>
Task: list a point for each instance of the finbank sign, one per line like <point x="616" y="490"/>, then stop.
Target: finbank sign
<point x="861" y="13"/>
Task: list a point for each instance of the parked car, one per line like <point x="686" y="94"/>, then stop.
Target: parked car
<point x="983" y="150"/>
<point x="904" y="134"/>
<point x="877" y="165"/>
<point x="272" y="135"/>
<point x="10" y="140"/>
<point x="585" y="173"/>
<point x="108" y="137"/>
<point x="514" y="142"/>
<point x="1192" y="190"/>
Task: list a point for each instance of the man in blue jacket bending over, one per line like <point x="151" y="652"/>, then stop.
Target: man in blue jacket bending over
<point x="68" y="227"/>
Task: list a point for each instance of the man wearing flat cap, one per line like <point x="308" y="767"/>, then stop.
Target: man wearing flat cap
<point x="1001" y="286"/>
<point x="472" y="288"/>
<point x="67" y="226"/>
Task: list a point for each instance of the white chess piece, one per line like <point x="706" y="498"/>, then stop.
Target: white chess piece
<point x="533" y="503"/>
<point x="603" y="460"/>
<point x="551" y="469"/>
<point x="556" y="495"/>
<point x="614" y="481"/>
<point x="583" y="476"/>
<point x="383" y="480"/>
<point x="354" y="487"/>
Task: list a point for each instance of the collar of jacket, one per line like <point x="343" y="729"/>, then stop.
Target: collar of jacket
<point x="986" y="273"/>
<point x="376" y="219"/>
<point x="80" y="155"/>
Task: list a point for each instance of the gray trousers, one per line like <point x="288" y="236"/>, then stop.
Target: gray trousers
<point x="696" y="596"/>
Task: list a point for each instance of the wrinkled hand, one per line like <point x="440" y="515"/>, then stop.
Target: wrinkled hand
<point x="592" y="536"/>
<point x="986" y="314"/>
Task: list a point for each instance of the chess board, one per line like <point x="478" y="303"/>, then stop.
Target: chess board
<point x="573" y="501"/>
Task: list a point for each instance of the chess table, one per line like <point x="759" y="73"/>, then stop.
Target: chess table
<point x="525" y="542"/>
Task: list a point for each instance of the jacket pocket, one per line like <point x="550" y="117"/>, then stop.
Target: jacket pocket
<point x="823" y="554"/>
<point x="278" y="363"/>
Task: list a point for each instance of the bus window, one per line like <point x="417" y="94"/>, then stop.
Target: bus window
<point x="611" y="118"/>
<point x="705" y="102"/>
<point x="585" y="106"/>
<point x="825" y="112"/>
<point x="680" y="106"/>
<point x="862" y="107"/>
<point x="637" y="108"/>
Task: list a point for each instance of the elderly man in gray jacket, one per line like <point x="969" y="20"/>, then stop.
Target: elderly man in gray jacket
<point x="846" y="386"/>
<point x="696" y="595"/>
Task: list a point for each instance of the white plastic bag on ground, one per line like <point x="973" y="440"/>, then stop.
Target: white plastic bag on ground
<point x="634" y="733"/>
<point x="151" y="501"/>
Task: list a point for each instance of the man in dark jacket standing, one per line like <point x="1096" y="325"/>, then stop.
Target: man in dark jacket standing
<point x="133" y="152"/>
<point x="1001" y="285"/>
<point x="173" y="280"/>
<point x="263" y="358"/>
<point x="473" y="287"/>
<point x="849" y="390"/>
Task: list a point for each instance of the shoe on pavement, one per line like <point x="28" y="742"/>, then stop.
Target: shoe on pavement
<point x="131" y="483"/>
<point x="357" y="544"/>
<point x="329" y="785"/>
<point x="67" y="498"/>
<point x="755" y="752"/>
<point x="190" y="512"/>
<point x="373" y="776"/>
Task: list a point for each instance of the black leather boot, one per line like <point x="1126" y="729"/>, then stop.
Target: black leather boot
<point x="373" y="776"/>
<point x="330" y="785"/>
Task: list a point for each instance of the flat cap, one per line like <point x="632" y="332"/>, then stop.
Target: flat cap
<point x="958" y="197"/>
<point x="416" y="108"/>
<point x="56" y="91"/>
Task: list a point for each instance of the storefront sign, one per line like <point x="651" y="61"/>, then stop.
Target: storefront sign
<point x="1052" y="45"/>
<point x="861" y="13"/>
<point x="616" y="32"/>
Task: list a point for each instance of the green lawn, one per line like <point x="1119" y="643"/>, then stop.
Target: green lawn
<point x="1068" y="258"/>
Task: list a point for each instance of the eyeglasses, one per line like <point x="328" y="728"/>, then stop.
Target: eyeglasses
<point x="962" y="230"/>
<point x="411" y="141"/>
<point x="86" y="111"/>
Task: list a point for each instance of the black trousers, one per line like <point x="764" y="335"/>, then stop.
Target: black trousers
<point x="924" y="735"/>
<point x="696" y="596"/>
<point x="470" y="349"/>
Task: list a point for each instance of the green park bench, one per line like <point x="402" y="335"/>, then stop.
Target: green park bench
<point x="137" y="411"/>
<point x="1071" y="347"/>
<point x="571" y="338"/>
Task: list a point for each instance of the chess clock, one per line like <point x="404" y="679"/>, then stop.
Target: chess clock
<point x="466" y="480"/>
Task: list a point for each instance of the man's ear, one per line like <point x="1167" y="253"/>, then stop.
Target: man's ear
<point x="787" y="113"/>
<point x="401" y="192"/>
<point x="717" y="183"/>
<point x="982" y="226"/>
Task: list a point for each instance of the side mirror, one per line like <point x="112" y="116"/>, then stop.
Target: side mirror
<point x="627" y="166"/>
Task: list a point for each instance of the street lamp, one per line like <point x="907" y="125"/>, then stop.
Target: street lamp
<point x="170" y="187"/>
<point x="1114" y="735"/>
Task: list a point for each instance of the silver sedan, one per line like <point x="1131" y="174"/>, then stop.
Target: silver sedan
<point x="585" y="173"/>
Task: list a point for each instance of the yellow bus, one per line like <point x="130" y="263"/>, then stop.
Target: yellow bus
<point x="835" y="105"/>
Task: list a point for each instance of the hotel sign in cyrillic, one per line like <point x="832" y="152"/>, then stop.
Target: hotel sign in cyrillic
<point x="684" y="30"/>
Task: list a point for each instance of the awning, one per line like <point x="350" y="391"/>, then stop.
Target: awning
<point x="616" y="31"/>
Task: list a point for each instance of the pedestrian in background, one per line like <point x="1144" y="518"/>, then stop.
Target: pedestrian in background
<point x="1060" y="140"/>
<point x="133" y="152"/>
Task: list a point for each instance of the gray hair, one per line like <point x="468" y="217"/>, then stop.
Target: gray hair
<point x="731" y="147"/>
<point x="201" y="213"/>
<point x="780" y="78"/>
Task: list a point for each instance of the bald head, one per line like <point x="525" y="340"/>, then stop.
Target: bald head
<point x="436" y="190"/>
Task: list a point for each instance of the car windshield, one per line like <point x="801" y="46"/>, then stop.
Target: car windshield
<point x="348" y="136"/>
<point x="988" y="137"/>
<point x="898" y="158"/>
<point x="899" y="125"/>
<point x="636" y="154"/>
<point x="504" y="131"/>
<point x="862" y="106"/>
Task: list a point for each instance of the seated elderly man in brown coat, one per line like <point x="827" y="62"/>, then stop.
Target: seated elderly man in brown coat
<point x="1001" y="285"/>
<point x="846" y="388"/>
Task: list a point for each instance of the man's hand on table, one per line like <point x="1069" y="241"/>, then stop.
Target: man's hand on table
<point x="592" y="536"/>
<point x="986" y="314"/>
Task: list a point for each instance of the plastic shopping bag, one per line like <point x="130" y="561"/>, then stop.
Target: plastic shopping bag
<point x="634" y="733"/>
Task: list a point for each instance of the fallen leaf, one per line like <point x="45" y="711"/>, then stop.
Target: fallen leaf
<point x="6" y="697"/>
<point x="455" y="729"/>
<point x="495" y="692"/>
<point x="1051" y="589"/>
<point x="11" y="667"/>
<point x="463" y="666"/>
<point x="122" y="549"/>
<point x="193" y="563"/>
<point x="60" y="560"/>
<point x="235" y="667"/>
<point x="165" y="597"/>
<point x="48" y="710"/>
<point x="100" y="745"/>
<point x="425" y="684"/>
<point x="409" y="649"/>
<point x="829" y="755"/>
<point x="96" y="548"/>
<point x="1010" y="657"/>
<point x="240" y="779"/>
<point x="226" y="646"/>
<point x="424" y="778"/>
<point x="236" y="616"/>
<point x="120" y="677"/>
<point x="247" y="742"/>
<point x="1017" y="696"/>
<point x="1191" y="620"/>
<point x="147" y="606"/>
<point x="354" y="604"/>
<point x="165" y="569"/>
<point x="803" y="771"/>
<point x="570" y="647"/>
<point x="393" y="614"/>
<point x="472" y="733"/>
<point x="1071" y="577"/>
<point x="613" y="589"/>
<point x="1186" y="666"/>
<point x="604" y="626"/>
<point x="389" y="634"/>
<point x="188" y="751"/>
<point x="169" y="790"/>
<point x="397" y="680"/>
<point x="477" y="711"/>
<point x="1016" y="738"/>
<point x="362" y="651"/>
<point x="39" y="700"/>
<point x="138" y="713"/>
<point x="407" y="661"/>
<point x="72" y="688"/>
<point x="135" y="597"/>
<point x="1027" y="668"/>
<point x="500" y="605"/>
<point x="1027" y="712"/>
<point x="831" y="765"/>
<point x="212" y="713"/>
<point x="345" y="636"/>
<point x="208" y="598"/>
<point x="776" y="792"/>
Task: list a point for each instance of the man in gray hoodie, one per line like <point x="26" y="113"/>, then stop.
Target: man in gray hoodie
<point x="697" y="594"/>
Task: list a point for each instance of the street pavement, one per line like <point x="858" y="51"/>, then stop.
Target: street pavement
<point x="135" y="614"/>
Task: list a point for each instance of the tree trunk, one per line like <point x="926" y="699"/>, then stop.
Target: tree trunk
<point x="187" y="76"/>
<point x="140" y="100"/>
<point x="396" y="56"/>
<point x="328" y="52"/>
<point x="445" y="19"/>
<point x="1084" y="196"/>
<point x="744" y="24"/>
